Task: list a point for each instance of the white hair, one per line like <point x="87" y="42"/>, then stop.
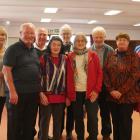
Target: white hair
<point x="78" y="35"/>
<point x="97" y="30"/>
<point x="42" y="29"/>
<point x="24" y="25"/>
<point x="65" y="28"/>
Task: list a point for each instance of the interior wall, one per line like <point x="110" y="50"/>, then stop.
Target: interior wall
<point x="112" y="31"/>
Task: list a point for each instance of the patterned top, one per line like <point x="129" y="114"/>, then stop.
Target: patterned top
<point x="137" y="50"/>
<point x="121" y="73"/>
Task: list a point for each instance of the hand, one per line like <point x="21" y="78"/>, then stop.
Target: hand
<point x="116" y="94"/>
<point x="93" y="96"/>
<point x="43" y="99"/>
<point x="68" y="102"/>
<point x="1" y="75"/>
<point x="13" y="98"/>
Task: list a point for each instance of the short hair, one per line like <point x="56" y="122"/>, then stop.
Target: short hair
<point x="81" y="34"/>
<point x="65" y="28"/>
<point x="3" y="31"/>
<point x="41" y="28"/>
<point x="55" y="38"/>
<point x="22" y="26"/>
<point x="99" y="29"/>
<point x="123" y="35"/>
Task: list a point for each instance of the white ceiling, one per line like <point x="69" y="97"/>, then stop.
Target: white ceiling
<point x="74" y="12"/>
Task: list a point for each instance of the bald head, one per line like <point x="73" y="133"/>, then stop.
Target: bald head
<point x="41" y="37"/>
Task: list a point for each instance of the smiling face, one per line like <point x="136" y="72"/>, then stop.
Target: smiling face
<point x="98" y="39"/>
<point x="66" y="35"/>
<point x="55" y="47"/>
<point x="80" y="42"/>
<point x="27" y="34"/>
<point x="41" y="37"/>
<point x="3" y="39"/>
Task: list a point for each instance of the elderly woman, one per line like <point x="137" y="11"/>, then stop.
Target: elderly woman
<point x="84" y="81"/>
<point x="53" y="95"/>
<point x="121" y="73"/>
<point x="3" y="39"/>
<point x="66" y="33"/>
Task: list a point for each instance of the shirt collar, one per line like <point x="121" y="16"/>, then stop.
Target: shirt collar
<point x="41" y="49"/>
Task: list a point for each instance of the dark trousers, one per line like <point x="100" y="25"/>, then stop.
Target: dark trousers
<point x="21" y="117"/>
<point x="106" y="129"/>
<point x="45" y="112"/>
<point x="2" y="102"/>
<point x="69" y="120"/>
<point x="92" y="120"/>
<point x="122" y="121"/>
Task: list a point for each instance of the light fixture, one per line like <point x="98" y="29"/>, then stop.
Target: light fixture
<point x="138" y="24"/>
<point x="50" y="10"/>
<point x="7" y="22"/>
<point x="92" y="21"/>
<point x="112" y="12"/>
<point x="136" y="0"/>
<point x="45" y="20"/>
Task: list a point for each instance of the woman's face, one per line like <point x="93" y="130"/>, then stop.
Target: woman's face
<point x="80" y="43"/>
<point x="2" y="39"/>
<point x="55" y="47"/>
<point x="122" y="44"/>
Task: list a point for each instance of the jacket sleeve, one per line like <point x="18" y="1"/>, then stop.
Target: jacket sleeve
<point x="99" y="75"/>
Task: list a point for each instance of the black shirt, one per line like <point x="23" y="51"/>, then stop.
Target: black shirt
<point x="67" y="48"/>
<point x="25" y="67"/>
<point x="40" y="52"/>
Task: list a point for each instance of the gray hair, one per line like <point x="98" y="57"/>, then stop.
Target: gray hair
<point x="41" y="29"/>
<point x="65" y="28"/>
<point x="81" y="34"/>
<point x="24" y="25"/>
<point x="97" y="30"/>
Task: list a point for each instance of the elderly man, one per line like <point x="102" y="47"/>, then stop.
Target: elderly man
<point x="40" y="46"/>
<point x="102" y="49"/>
<point x="41" y="40"/>
<point x="66" y="33"/>
<point x="22" y="75"/>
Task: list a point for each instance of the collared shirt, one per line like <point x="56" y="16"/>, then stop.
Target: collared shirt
<point x="40" y="51"/>
<point x="100" y="52"/>
<point x="25" y="67"/>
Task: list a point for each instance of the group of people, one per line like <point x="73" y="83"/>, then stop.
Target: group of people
<point x="67" y="75"/>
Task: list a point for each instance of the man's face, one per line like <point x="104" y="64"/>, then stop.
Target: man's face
<point x="41" y="37"/>
<point x="27" y="35"/>
<point x="66" y="35"/>
<point x="98" y="39"/>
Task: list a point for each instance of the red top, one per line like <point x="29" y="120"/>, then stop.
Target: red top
<point x="94" y="75"/>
